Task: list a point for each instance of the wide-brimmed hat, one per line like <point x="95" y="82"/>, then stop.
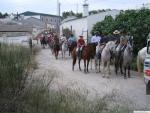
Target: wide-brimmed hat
<point x="80" y="35"/>
<point x="116" y="32"/>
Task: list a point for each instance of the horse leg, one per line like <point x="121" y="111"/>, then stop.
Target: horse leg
<point x="129" y="71"/>
<point x="124" y="72"/>
<point x="99" y="65"/>
<point x="88" y="65"/>
<point x="103" y="63"/>
<point x="73" y="63"/>
<point x="79" y="64"/>
<point x="96" y="64"/>
<point x="116" y="68"/>
<point x="62" y="54"/>
<point x="84" y="66"/>
<point x="121" y="68"/>
<point x="91" y="64"/>
<point x="108" y="69"/>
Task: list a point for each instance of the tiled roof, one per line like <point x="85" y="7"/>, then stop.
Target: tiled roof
<point x="29" y="13"/>
<point x="15" y="28"/>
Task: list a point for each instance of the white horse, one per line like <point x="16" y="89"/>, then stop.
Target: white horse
<point x="99" y="49"/>
<point x="127" y="58"/>
<point x="140" y="58"/>
<point x="64" y="48"/>
<point x="106" y="57"/>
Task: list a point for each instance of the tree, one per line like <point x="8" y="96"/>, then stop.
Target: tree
<point x="71" y="13"/>
<point x="67" y="32"/>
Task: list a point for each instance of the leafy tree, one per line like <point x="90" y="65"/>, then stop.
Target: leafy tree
<point x="67" y="32"/>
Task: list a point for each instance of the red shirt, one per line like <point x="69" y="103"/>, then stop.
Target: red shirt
<point x="81" y="42"/>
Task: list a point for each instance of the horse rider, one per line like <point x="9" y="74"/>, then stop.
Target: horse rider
<point x="63" y="39"/>
<point x="71" y="39"/>
<point x="116" y="36"/>
<point x="124" y="40"/>
<point x="80" y="45"/>
<point x="95" y="39"/>
<point x="56" y="40"/>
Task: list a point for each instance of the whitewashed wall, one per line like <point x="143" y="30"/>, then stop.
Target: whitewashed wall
<point x="78" y="26"/>
<point x="93" y="19"/>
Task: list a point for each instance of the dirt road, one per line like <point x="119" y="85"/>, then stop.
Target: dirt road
<point x="132" y="89"/>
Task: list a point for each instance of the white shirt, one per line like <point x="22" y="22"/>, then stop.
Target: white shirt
<point x="63" y="38"/>
<point x="95" y="39"/>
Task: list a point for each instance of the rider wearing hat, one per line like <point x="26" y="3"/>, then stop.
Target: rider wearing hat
<point x="80" y="45"/>
<point x="124" y="39"/>
<point x="116" y="35"/>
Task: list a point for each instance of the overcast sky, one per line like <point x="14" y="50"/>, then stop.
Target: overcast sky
<point x="50" y="6"/>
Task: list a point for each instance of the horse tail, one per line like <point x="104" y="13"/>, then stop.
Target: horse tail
<point x="74" y="57"/>
<point x="138" y="63"/>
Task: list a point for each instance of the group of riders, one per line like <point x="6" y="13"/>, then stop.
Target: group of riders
<point x="98" y="40"/>
<point x="51" y="39"/>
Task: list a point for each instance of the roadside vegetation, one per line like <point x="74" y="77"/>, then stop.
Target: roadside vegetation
<point x="20" y="93"/>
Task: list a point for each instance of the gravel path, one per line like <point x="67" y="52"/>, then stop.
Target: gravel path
<point x="132" y="89"/>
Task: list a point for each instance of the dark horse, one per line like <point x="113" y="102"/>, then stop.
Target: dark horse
<point x="118" y="56"/>
<point x="87" y="53"/>
<point x="43" y="42"/>
<point x="56" y="47"/>
<point x="71" y="47"/>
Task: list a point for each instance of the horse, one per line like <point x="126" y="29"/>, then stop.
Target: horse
<point x="106" y="57"/>
<point x="87" y="53"/>
<point x="64" y="48"/>
<point x="56" y="47"/>
<point x="140" y="58"/>
<point x="127" y="58"/>
<point x="99" y="49"/>
<point x="43" y="42"/>
<point x="71" y="47"/>
<point x="118" y="57"/>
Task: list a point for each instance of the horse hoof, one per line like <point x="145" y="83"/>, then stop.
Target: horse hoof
<point x="103" y="76"/>
<point x="125" y="77"/>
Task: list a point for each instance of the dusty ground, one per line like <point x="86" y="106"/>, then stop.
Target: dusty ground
<point x="132" y="90"/>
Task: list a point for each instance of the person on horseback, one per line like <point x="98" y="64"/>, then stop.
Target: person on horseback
<point x="95" y="39"/>
<point x="116" y="36"/>
<point x="124" y="40"/>
<point x="71" y="39"/>
<point x="63" y="38"/>
<point x="80" y="45"/>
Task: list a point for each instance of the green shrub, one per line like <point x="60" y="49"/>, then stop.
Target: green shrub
<point x="14" y="61"/>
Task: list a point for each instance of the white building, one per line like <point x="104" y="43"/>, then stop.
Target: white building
<point x="84" y="25"/>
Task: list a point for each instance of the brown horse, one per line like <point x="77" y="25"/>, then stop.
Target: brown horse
<point x="71" y="47"/>
<point x="56" y="47"/>
<point x="56" y="50"/>
<point x="87" y="53"/>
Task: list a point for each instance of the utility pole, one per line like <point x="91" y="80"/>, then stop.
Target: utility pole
<point x="77" y="8"/>
<point x="58" y="8"/>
